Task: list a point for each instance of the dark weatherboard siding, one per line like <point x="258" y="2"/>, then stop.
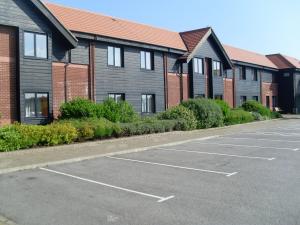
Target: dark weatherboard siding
<point x="297" y="92"/>
<point x="131" y="80"/>
<point x="35" y="75"/>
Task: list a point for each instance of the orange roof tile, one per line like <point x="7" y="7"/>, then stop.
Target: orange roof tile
<point x="295" y="62"/>
<point x="193" y="37"/>
<point x="93" y="23"/>
<point x="248" y="57"/>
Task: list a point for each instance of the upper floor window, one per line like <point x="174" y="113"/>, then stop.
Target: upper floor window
<point x="198" y="66"/>
<point x="117" y="97"/>
<point x="217" y="68"/>
<point x="35" y="45"/>
<point x="148" y="103"/>
<point x="254" y="75"/>
<point x="242" y="73"/>
<point x="114" y="56"/>
<point x="36" y="105"/>
<point x="147" y="59"/>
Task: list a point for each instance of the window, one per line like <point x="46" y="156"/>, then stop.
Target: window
<point x="35" y="45"/>
<point x="255" y="98"/>
<point x="268" y="101"/>
<point x="242" y="72"/>
<point x="114" y="56"/>
<point x="219" y="97"/>
<point x="200" y="96"/>
<point x="198" y="66"/>
<point x="36" y="105"/>
<point x="274" y="102"/>
<point x="254" y="74"/>
<point x="217" y="68"/>
<point x="117" y="97"/>
<point x="147" y="60"/>
<point x="243" y="99"/>
<point x="148" y="103"/>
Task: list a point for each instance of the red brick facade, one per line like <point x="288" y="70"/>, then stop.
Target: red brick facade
<point x="228" y="91"/>
<point x="269" y="89"/>
<point x="174" y="91"/>
<point x="8" y="75"/>
<point x="69" y="81"/>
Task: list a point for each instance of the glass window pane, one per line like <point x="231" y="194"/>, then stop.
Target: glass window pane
<point x="30" y="105"/>
<point x="118" y="57"/>
<point x="149" y="103"/>
<point x="41" y="46"/>
<point x="200" y="65"/>
<point x="29" y="44"/>
<point x="110" y="56"/>
<point x="196" y="66"/>
<point x="42" y="105"/>
<point x="119" y="97"/>
<point x="148" y="60"/>
<point x="144" y="103"/>
<point x="111" y="96"/>
<point x="143" y="63"/>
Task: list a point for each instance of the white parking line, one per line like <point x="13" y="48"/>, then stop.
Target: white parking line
<point x="251" y="146"/>
<point x="274" y="133"/>
<point x="173" y="166"/>
<point x="259" y="139"/>
<point x="219" y="154"/>
<point x="160" y="199"/>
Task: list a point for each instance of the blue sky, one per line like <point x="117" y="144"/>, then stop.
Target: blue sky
<point x="264" y="26"/>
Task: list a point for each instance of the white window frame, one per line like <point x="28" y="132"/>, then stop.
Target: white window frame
<point x="35" y="53"/>
<point x="146" y="58"/>
<point x="117" y="56"/>
<point x="198" y="66"/>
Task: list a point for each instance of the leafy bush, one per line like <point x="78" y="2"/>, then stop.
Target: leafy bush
<point x="10" y="139"/>
<point x="186" y="116"/>
<point x="224" y="107"/>
<point x="276" y="115"/>
<point x="77" y="109"/>
<point x="117" y="112"/>
<point x="207" y="112"/>
<point x="89" y="129"/>
<point x="148" y="126"/>
<point x="254" y="106"/>
<point x="238" y="116"/>
<point x="257" y="116"/>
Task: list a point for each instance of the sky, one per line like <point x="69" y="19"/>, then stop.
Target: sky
<point x="263" y="26"/>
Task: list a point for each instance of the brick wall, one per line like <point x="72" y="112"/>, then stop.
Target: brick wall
<point x="174" y="89"/>
<point x="228" y="91"/>
<point x="269" y="89"/>
<point x="69" y="82"/>
<point x="8" y="88"/>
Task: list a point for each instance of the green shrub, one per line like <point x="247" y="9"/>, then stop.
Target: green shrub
<point x="117" y="112"/>
<point x="254" y="106"/>
<point x="238" y="116"/>
<point x="276" y="115"/>
<point x="10" y="139"/>
<point x="58" y="133"/>
<point x="207" y="112"/>
<point x="224" y="107"/>
<point x="187" y="117"/>
<point x="148" y="126"/>
<point x="89" y="129"/>
<point x="257" y="116"/>
<point x="77" y="109"/>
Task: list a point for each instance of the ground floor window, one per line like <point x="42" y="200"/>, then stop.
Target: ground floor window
<point x="36" y="105"/>
<point x="117" y="97"/>
<point x="219" y="97"/>
<point x="243" y="99"/>
<point x="274" y="102"/>
<point x="268" y="101"/>
<point x="148" y="103"/>
<point x="200" y="96"/>
<point x="255" y="98"/>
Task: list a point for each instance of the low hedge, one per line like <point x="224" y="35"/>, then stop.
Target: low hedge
<point x="186" y="116"/>
<point x="207" y="112"/>
<point x="254" y="106"/>
<point x="238" y="116"/>
<point x="224" y="107"/>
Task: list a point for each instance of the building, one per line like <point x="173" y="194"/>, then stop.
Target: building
<point x="51" y="54"/>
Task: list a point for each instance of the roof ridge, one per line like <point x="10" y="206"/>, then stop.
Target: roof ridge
<point x="283" y="57"/>
<point x="105" y="15"/>
<point x="195" y="30"/>
<point x="251" y="51"/>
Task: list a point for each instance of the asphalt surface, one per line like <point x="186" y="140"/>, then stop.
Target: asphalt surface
<point x="246" y="178"/>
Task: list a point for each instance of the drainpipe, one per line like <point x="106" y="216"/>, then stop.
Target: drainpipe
<point x="181" y="81"/>
<point x="92" y="71"/>
<point x="234" y="87"/>
<point x="165" y="63"/>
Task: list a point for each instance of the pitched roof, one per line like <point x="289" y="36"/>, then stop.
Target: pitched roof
<point x="193" y="37"/>
<point x="93" y="23"/>
<point x="242" y="55"/>
<point x="284" y="62"/>
<point x="56" y="23"/>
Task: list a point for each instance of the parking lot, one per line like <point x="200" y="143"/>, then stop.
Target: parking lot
<point x="245" y="178"/>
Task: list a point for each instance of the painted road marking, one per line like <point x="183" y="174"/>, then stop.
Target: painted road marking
<point x="160" y="199"/>
<point x="219" y="154"/>
<point x="173" y="166"/>
<point x="260" y="139"/>
<point x="275" y="133"/>
<point x="251" y="146"/>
